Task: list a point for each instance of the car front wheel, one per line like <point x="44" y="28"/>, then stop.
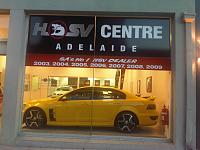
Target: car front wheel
<point x="35" y="118"/>
<point x="126" y="122"/>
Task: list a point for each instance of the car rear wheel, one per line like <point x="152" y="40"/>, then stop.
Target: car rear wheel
<point x="35" y="118"/>
<point x="126" y="122"/>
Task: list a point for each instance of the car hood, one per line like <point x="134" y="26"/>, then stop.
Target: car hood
<point x="43" y="100"/>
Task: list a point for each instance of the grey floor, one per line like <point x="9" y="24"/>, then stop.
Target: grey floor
<point x="157" y="131"/>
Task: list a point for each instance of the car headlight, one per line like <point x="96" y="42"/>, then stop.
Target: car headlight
<point x="151" y="106"/>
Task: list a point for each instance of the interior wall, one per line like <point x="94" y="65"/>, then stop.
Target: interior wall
<point x="161" y="84"/>
<point x="45" y="72"/>
<point x="82" y="72"/>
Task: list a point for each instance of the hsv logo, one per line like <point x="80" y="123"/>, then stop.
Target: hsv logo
<point x="57" y="29"/>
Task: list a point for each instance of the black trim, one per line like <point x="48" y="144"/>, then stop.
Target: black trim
<point x="51" y="115"/>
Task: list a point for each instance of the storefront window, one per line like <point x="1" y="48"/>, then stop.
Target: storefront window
<point x="2" y="73"/>
<point x="4" y="23"/>
<point x="98" y="75"/>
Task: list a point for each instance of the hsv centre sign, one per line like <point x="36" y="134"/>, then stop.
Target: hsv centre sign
<point x="130" y="43"/>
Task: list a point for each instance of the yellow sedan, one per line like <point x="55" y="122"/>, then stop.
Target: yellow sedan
<point x="92" y="106"/>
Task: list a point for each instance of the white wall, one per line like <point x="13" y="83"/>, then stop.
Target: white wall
<point x="161" y="84"/>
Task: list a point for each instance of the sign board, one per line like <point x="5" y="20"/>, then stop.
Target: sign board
<point x="100" y="42"/>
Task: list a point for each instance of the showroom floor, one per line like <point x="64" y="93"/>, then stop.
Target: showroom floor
<point x="157" y="131"/>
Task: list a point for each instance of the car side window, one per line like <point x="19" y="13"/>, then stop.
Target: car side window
<point x="108" y="94"/>
<point x="79" y="95"/>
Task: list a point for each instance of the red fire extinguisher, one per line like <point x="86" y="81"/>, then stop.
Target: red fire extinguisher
<point x="165" y="116"/>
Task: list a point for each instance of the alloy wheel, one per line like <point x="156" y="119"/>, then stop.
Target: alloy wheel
<point x="126" y="122"/>
<point x="35" y="118"/>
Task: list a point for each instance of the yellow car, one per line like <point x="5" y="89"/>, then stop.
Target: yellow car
<point x="92" y="106"/>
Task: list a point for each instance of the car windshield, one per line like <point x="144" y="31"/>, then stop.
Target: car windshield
<point x="63" y="89"/>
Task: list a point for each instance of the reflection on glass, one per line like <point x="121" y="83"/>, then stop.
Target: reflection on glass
<point x="59" y="85"/>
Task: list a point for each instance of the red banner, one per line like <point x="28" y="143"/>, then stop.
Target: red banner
<point x="114" y="62"/>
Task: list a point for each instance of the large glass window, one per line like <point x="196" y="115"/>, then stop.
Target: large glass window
<point x="2" y="77"/>
<point x="98" y="75"/>
<point x="4" y="25"/>
<point x="104" y="102"/>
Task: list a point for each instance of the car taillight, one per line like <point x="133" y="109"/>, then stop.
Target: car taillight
<point x="151" y="106"/>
